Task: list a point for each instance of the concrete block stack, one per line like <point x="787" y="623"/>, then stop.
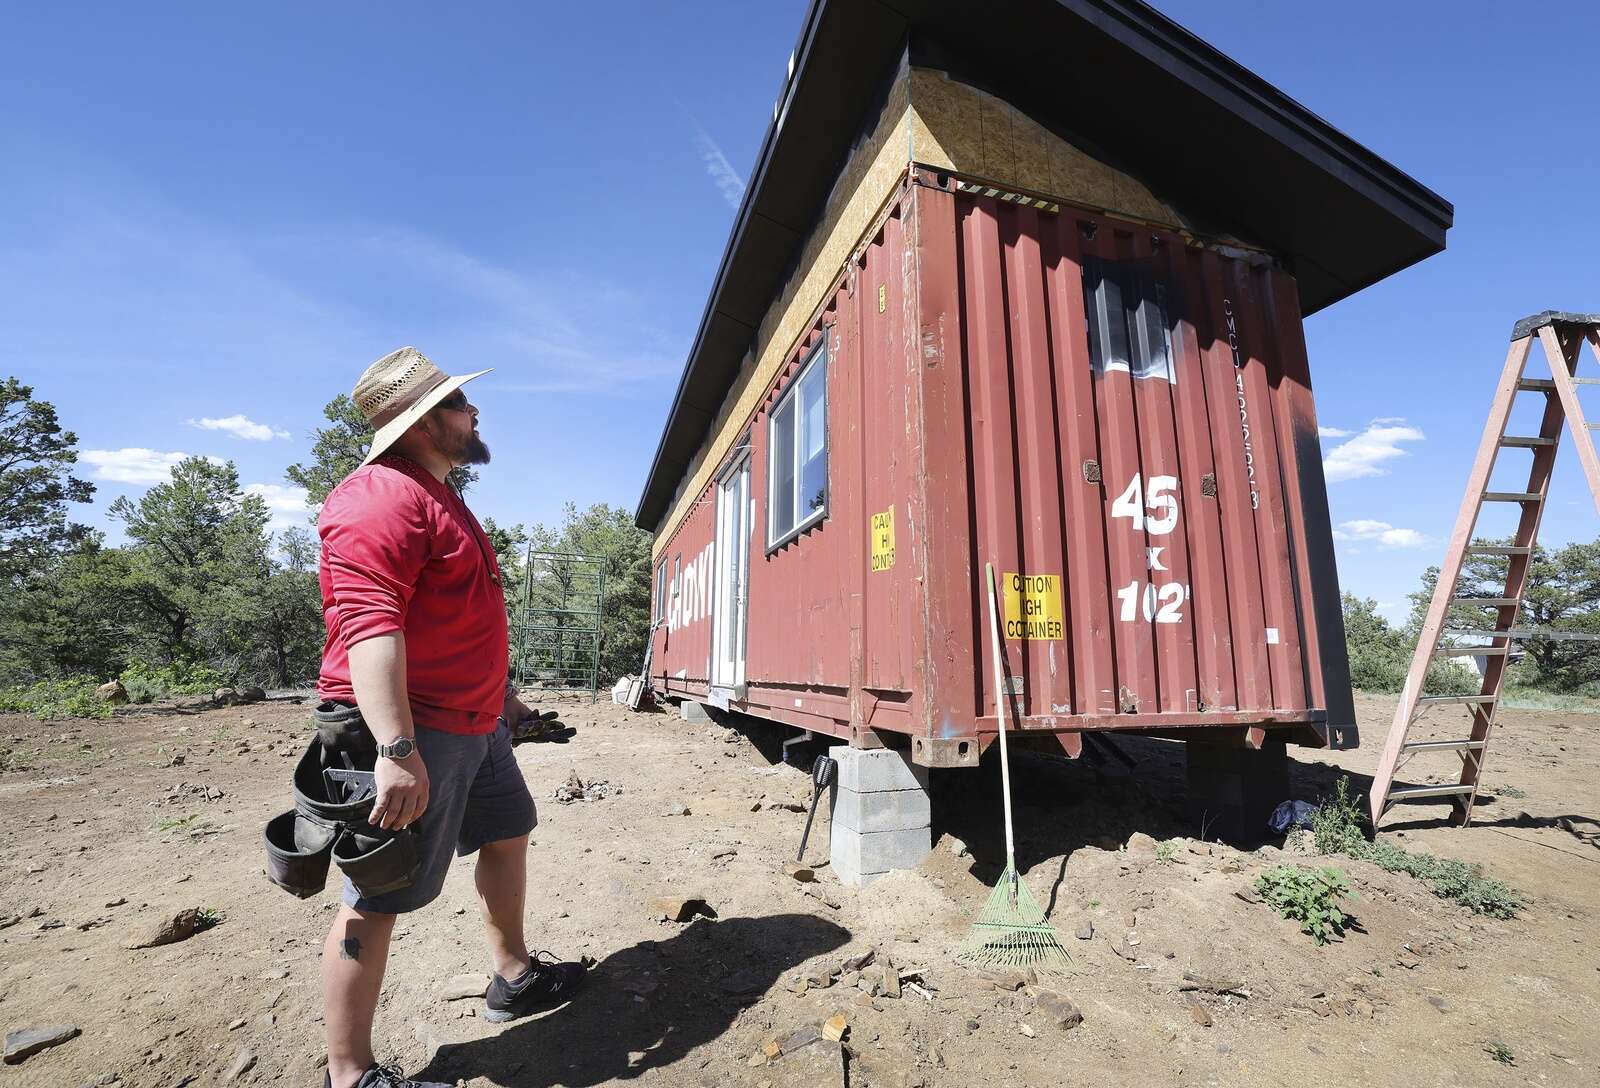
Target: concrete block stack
<point x="881" y="813"/>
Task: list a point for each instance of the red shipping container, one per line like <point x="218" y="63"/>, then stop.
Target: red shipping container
<point x="1117" y="417"/>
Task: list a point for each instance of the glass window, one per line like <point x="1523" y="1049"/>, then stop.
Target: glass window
<point x="797" y="483"/>
<point x="1127" y="310"/>
<point x="661" y="591"/>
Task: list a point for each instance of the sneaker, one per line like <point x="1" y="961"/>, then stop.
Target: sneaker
<point x="546" y="982"/>
<point x="387" y="1076"/>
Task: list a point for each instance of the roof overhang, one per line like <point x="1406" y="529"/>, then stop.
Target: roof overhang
<point x="1225" y="147"/>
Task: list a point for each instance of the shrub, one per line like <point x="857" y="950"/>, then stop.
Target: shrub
<point x="147" y="683"/>
<point x="1336" y="826"/>
<point x="71" y="698"/>
<point x="1308" y="896"/>
<point x="1458" y="881"/>
<point x="1167" y="851"/>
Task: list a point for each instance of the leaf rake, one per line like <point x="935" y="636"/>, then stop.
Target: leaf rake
<point x="1011" y="929"/>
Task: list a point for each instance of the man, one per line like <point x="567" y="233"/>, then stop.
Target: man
<point x="417" y="641"/>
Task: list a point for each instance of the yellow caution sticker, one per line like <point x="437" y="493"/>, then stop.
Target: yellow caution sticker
<point x="1033" y="606"/>
<point x="883" y="540"/>
<point x="883" y="297"/>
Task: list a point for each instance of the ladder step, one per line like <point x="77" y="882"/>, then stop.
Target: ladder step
<point x="1488" y="602"/>
<point x="1444" y="745"/>
<point x="1441" y="700"/>
<point x="1526" y="441"/>
<point x="1496" y="549"/>
<point x="1586" y="381"/>
<point x="1405" y="792"/>
<point x="1537" y="385"/>
<point x="1471" y="651"/>
<point x="1512" y="496"/>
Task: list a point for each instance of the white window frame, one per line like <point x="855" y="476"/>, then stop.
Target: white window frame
<point x="661" y="590"/>
<point x="819" y="357"/>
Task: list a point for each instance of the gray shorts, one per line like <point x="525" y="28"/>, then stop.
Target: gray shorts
<point x="476" y="795"/>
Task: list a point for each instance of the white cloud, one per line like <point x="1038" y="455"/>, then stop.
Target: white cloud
<point x="1380" y="532"/>
<point x="722" y="173"/>
<point x="133" y="464"/>
<point x="287" y="505"/>
<point x="240" y="427"/>
<point x="1364" y="454"/>
<point x="1332" y="432"/>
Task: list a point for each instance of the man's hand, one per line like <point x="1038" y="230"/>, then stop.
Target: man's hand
<point x="402" y="792"/>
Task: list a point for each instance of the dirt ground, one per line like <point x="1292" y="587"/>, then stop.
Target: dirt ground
<point x="109" y="826"/>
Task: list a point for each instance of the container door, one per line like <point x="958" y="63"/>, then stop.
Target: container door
<point x="733" y="569"/>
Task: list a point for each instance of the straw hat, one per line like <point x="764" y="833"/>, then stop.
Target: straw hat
<point x="398" y="390"/>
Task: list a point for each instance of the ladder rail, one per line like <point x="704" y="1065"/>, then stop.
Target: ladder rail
<point x="1567" y="394"/>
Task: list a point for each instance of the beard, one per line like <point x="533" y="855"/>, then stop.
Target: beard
<point x="474" y="451"/>
<point x="462" y="449"/>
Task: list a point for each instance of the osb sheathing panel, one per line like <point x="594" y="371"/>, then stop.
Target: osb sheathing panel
<point x="939" y="122"/>
<point x="961" y="128"/>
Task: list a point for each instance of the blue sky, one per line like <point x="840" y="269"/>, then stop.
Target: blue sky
<point x="223" y="212"/>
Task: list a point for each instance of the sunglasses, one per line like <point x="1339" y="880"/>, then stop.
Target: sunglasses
<point x="455" y="402"/>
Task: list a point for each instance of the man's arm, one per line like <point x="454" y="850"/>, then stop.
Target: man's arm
<point x="378" y="675"/>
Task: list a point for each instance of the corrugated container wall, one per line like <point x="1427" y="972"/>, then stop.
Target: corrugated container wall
<point x="1117" y="418"/>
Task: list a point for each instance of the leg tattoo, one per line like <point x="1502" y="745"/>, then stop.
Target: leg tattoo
<point x="350" y="949"/>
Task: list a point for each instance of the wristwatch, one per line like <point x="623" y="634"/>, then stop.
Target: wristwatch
<point x="401" y="748"/>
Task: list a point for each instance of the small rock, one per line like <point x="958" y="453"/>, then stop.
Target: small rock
<point x="1438" y="1002"/>
<point x="1026" y="1030"/>
<point x="1201" y="848"/>
<point x="770" y="1048"/>
<point x="225" y="696"/>
<point x="24" y="1043"/>
<point x="850" y="979"/>
<point x="275" y="975"/>
<point x="891" y="979"/>
<point x="800" y="1037"/>
<point x="112" y="692"/>
<point x="677" y="808"/>
<point x="180" y="927"/>
<point x="1062" y="1012"/>
<point x="235" y="1025"/>
<point x="1140" y="843"/>
<point x="856" y="963"/>
<point x="252" y="695"/>
<point x="462" y="987"/>
<point x="835" y="1027"/>
<point x="1086" y="931"/>
<point x="1005" y="980"/>
<point x="119" y="901"/>
<point x="680" y="910"/>
<point x="957" y="847"/>
<point x="1199" y="1012"/>
<point x="243" y="1062"/>
<point x="756" y="1060"/>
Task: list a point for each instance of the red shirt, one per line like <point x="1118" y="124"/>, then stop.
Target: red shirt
<point x="401" y="552"/>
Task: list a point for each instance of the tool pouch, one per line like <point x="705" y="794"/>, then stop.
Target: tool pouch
<point x="376" y="860"/>
<point x="298" y="852"/>
<point x="341" y="728"/>
<point x="324" y="826"/>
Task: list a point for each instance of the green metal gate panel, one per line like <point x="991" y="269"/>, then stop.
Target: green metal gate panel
<point x="555" y="631"/>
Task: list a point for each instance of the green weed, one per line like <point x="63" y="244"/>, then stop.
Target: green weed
<point x="205" y="918"/>
<point x="1336" y="826"/>
<point x="1500" y="1053"/>
<point x="176" y="823"/>
<point x="72" y="698"/>
<point x="1167" y="852"/>
<point x="1308" y="896"/>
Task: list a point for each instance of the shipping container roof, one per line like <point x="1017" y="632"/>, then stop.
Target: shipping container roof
<point x="1213" y="139"/>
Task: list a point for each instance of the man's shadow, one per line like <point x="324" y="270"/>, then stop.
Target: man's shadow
<point x="645" y="1006"/>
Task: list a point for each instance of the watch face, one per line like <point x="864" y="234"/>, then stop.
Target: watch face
<point x="399" y="749"/>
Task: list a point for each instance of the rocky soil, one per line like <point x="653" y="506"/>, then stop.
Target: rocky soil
<point x="114" y="829"/>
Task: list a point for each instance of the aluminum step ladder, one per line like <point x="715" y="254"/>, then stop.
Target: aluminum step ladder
<point x="1562" y="336"/>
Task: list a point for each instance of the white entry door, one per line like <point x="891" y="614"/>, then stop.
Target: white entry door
<point x="733" y="570"/>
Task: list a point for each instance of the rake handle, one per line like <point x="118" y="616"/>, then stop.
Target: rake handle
<point x="1000" y="713"/>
